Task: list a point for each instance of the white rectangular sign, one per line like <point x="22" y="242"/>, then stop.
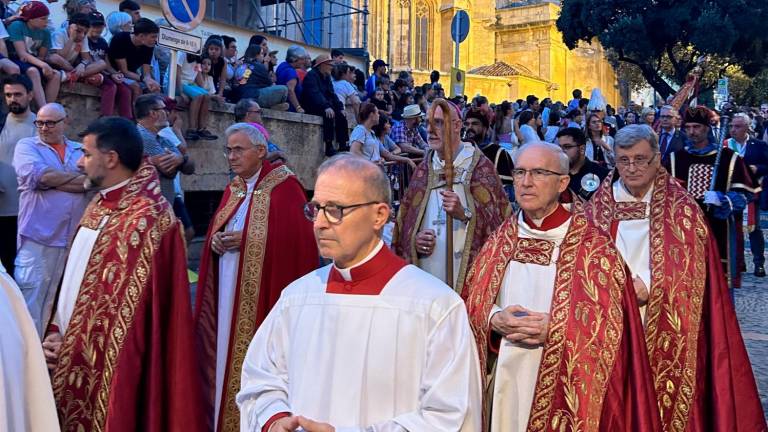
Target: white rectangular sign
<point x="180" y="41"/>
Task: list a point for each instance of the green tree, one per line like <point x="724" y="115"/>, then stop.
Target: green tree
<point x="665" y="38"/>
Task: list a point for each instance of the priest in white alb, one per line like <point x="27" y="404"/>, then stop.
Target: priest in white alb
<point x="476" y="201"/>
<point x="667" y="244"/>
<point x="367" y="343"/>
<point x="26" y="402"/>
<point x="556" y="323"/>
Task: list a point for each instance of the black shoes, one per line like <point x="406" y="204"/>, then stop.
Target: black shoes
<point x="760" y="271"/>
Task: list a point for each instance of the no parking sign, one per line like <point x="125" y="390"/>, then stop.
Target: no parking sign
<point x="184" y="15"/>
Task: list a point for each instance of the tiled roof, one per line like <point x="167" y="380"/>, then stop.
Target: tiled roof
<point x="502" y="69"/>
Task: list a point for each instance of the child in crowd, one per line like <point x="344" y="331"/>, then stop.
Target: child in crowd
<point x="6" y="65"/>
<point x="192" y="82"/>
<point x="255" y="82"/>
<point x="30" y="41"/>
<point x="214" y="50"/>
<point x="71" y="53"/>
<point x="114" y="92"/>
<point x="380" y="103"/>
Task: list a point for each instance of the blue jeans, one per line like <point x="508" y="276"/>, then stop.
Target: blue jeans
<point x="266" y="97"/>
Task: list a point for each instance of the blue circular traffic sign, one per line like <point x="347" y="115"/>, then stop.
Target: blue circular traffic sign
<point x="460" y="26"/>
<point x="184" y="15"/>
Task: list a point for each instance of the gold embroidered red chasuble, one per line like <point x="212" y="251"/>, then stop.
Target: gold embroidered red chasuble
<point x="278" y="247"/>
<point x="128" y="362"/>
<point x="687" y="289"/>
<point x="593" y="375"/>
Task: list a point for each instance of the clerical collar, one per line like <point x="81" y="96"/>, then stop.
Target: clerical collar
<point x="250" y="181"/>
<point x="346" y="273"/>
<point x="369" y="277"/>
<point x="465" y="153"/>
<point x="622" y="194"/>
<point x="555" y="219"/>
<point x="110" y="193"/>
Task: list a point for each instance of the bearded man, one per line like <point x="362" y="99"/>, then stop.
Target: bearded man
<point x="476" y="127"/>
<point x="121" y="341"/>
<point x="477" y="204"/>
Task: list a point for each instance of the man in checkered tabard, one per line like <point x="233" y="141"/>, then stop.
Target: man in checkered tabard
<point x="724" y="203"/>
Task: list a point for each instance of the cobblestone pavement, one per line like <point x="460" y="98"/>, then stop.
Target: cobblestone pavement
<point x="751" y="303"/>
<point x="752" y="310"/>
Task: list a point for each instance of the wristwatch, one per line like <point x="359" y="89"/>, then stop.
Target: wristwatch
<point x="467" y="214"/>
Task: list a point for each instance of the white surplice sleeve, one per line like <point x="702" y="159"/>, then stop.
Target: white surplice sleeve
<point x="264" y="380"/>
<point x="450" y="384"/>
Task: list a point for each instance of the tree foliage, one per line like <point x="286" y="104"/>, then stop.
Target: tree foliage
<point x="665" y="38"/>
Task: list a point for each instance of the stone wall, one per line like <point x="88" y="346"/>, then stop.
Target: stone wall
<point x="299" y="135"/>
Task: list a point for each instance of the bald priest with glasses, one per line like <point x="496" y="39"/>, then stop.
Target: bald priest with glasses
<point x="367" y="343"/>
<point x="258" y="242"/>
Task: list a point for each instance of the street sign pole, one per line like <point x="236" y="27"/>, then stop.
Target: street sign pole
<point x="457" y="27"/>
<point x="185" y="16"/>
<point x="172" y="75"/>
<point x="177" y="41"/>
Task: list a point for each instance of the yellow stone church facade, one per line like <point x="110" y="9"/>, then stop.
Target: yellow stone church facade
<point x="513" y="48"/>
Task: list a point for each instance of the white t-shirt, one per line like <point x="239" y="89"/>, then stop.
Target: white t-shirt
<point x="188" y="70"/>
<point x="3" y="32"/>
<point x="370" y="146"/>
<point x="529" y="134"/>
<point x="344" y="89"/>
<point x="209" y="85"/>
<point x="60" y="38"/>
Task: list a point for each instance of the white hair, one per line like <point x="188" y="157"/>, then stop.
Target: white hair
<point x="115" y="20"/>
<point x="254" y="135"/>
<point x="743" y="116"/>
<point x="555" y="149"/>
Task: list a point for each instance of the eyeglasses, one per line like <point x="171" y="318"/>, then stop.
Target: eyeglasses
<point x="640" y="162"/>
<point x="667" y="116"/>
<point x="161" y="109"/>
<point x="333" y="213"/>
<point x="256" y="111"/>
<point x="47" y="123"/>
<point x="237" y="151"/>
<point x="538" y="174"/>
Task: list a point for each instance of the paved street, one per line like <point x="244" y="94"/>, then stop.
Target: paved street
<point x="752" y="309"/>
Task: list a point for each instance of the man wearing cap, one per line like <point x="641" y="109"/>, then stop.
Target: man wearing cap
<point x="695" y="166"/>
<point x="476" y="124"/>
<point x="318" y="98"/>
<point x="379" y="70"/>
<point x="406" y="132"/>
<point x="30" y="42"/>
<point x="585" y="175"/>
<point x="477" y="203"/>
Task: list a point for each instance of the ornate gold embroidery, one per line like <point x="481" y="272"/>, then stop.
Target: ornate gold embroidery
<point x="584" y="334"/>
<point x="533" y="251"/>
<point x="624" y="211"/>
<point x="432" y="183"/>
<point x="82" y="388"/>
<point x="250" y="280"/>
<point x="678" y="278"/>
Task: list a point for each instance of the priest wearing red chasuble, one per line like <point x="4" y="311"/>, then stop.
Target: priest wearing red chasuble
<point x="259" y="242"/>
<point x="122" y="340"/>
<point x="701" y="372"/>
<point x="475" y="201"/>
<point x="367" y="343"/>
<point x="554" y="315"/>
